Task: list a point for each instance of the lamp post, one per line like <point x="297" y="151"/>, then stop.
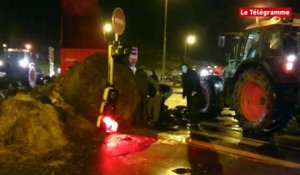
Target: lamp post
<point x="165" y="41"/>
<point x="190" y="39"/>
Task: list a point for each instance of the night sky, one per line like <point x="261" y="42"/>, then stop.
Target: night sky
<point x="38" y="21"/>
<point x="204" y="18"/>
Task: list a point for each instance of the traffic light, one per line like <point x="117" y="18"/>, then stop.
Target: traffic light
<point x="120" y="53"/>
<point x="107" y="123"/>
<point x="106" y="119"/>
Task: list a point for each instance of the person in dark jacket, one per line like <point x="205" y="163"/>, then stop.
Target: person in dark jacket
<point x="192" y="91"/>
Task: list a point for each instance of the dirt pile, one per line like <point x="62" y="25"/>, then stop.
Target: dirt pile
<point x="84" y="83"/>
<point x="29" y="127"/>
<point x="52" y="129"/>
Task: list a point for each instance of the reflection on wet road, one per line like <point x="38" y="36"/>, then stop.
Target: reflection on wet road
<point x="224" y="134"/>
<point x="217" y="147"/>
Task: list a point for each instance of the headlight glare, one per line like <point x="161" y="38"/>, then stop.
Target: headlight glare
<point x="291" y="58"/>
<point x="204" y="72"/>
<point x="24" y="62"/>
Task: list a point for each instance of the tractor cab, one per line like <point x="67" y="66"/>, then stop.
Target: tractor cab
<point x="229" y="43"/>
<point x="274" y="43"/>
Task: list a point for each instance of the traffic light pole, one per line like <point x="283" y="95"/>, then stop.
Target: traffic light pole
<point x="110" y="65"/>
<point x="110" y="95"/>
<point x="111" y="61"/>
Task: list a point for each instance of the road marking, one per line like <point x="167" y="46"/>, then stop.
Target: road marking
<point x="233" y="139"/>
<point x="232" y="126"/>
<point x="290" y="137"/>
<point x="242" y="153"/>
<point x="249" y="141"/>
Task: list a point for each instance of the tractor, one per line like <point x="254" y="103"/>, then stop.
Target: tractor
<point x="261" y="79"/>
<point x="17" y="68"/>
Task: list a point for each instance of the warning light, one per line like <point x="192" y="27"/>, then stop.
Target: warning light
<point x="107" y="123"/>
<point x="110" y="124"/>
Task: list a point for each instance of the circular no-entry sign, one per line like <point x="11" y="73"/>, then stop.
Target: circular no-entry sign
<point x="118" y="21"/>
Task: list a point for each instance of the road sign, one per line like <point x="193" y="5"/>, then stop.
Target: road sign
<point x="118" y="21"/>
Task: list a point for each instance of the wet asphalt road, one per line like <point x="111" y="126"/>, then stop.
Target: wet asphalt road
<point x="217" y="147"/>
<point x="175" y="152"/>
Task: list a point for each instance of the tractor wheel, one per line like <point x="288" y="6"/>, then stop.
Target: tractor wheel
<point x="259" y="108"/>
<point x="30" y="78"/>
<point x="210" y="109"/>
<point x="212" y="103"/>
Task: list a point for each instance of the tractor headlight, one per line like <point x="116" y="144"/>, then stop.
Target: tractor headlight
<point x="1" y="63"/>
<point x="291" y="58"/>
<point x="24" y="62"/>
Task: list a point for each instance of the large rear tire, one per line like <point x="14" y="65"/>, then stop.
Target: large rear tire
<point x="30" y="78"/>
<point x="260" y="108"/>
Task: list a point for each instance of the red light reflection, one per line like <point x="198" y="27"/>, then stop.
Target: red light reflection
<point x="116" y="147"/>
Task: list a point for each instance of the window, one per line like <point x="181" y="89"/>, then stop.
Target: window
<point x="272" y="42"/>
<point x="251" y="45"/>
<point x="291" y="40"/>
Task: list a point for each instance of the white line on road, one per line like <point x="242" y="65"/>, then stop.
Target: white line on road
<point x="235" y="140"/>
<point x="242" y="153"/>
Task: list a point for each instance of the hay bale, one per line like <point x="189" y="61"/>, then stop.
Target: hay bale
<point x="29" y="127"/>
<point x="84" y="83"/>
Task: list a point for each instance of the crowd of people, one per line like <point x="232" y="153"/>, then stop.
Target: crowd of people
<point x="153" y="95"/>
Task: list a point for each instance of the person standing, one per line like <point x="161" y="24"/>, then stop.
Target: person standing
<point x="192" y="91"/>
<point x="154" y="104"/>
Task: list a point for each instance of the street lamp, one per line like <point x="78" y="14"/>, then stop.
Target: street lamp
<point x="107" y="28"/>
<point x="28" y="46"/>
<point x="165" y="41"/>
<point x="4" y="46"/>
<point x="190" y="39"/>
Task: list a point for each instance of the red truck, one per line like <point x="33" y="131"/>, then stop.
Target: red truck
<point x="82" y="33"/>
